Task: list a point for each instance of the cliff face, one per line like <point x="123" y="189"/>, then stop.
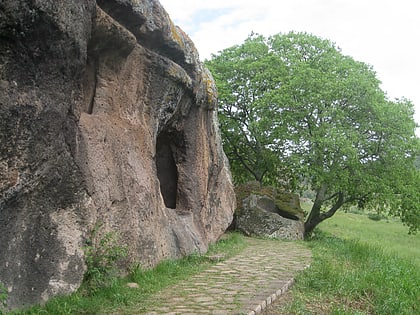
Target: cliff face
<point x="107" y="116"/>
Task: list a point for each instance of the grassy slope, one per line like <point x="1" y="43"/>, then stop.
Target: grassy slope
<point x="360" y="266"/>
<point x="390" y="234"/>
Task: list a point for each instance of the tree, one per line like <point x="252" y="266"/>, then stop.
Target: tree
<point x="242" y="78"/>
<point x="294" y="110"/>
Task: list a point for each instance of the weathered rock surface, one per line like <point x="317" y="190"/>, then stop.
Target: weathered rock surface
<point x="269" y="212"/>
<point x="107" y="116"/>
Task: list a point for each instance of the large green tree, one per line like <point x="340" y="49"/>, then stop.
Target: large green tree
<point x="295" y="110"/>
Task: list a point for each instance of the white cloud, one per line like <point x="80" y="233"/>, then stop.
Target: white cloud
<point x="383" y="33"/>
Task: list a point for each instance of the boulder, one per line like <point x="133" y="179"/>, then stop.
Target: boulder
<point x="269" y="212"/>
<point x="107" y="117"/>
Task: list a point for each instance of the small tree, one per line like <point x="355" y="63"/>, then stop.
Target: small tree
<point x="294" y="109"/>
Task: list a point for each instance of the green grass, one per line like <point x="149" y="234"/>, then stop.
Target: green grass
<point x="360" y="266"/>
<point x="117" y="298"/>
<point x="389" y="234"/>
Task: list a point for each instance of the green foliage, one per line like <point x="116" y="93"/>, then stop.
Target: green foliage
<point x="103" y="251"/>
<point x="3" y="296"/>
<point x="294" y="109"/>
<point x="242" y="75"/>
<point x="376" y="216"/>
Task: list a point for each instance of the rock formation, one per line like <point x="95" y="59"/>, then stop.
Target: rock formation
<point x="268" y="212"/>
<point x="107" y="116"/>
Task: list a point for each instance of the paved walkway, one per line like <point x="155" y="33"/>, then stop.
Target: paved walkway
<point x="243" y="284"/>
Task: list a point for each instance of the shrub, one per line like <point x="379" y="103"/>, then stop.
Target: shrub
<point x="376" y="216"/>
<point x="3" y="296"/>
<point x="103" y="251"/>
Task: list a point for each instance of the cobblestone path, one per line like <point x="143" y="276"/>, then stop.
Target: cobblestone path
<point x="243" y="284"/>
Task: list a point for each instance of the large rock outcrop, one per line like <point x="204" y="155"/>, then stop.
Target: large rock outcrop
<point x="268" y="212"/>
<point x="106" y="116"/>
<point x="260" y="216"/>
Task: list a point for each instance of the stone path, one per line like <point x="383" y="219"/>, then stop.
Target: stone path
<point x="243" y="284"/>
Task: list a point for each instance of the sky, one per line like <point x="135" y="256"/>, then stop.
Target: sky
<point x="382" y="33"/>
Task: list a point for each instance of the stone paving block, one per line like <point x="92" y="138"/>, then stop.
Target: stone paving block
<point x="244" y="284"/>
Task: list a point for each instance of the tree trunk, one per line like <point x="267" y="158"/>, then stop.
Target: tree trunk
<point x="258" y="176"/>
<point x="316" y="216"/>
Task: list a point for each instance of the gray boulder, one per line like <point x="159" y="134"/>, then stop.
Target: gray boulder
<point x="262" y="215"/>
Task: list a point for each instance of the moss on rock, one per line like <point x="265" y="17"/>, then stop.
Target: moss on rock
<point x="287" y="203"/>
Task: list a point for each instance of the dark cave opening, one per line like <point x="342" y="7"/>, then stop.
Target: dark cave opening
<point x="167" y="171"/>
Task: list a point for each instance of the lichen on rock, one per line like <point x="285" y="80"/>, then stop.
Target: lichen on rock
<point x="268" y="212"/>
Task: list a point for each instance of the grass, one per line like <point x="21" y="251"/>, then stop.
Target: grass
<point x="389" y="234"/>
<point x="359" y="266"/>
<point x="118" y="298"/>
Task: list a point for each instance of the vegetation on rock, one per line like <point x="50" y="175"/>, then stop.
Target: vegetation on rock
<point x="103" y="252"/>
<point x="3" y="296"/>
<point x="116" y="296"/>
<point x="285" y="201"/>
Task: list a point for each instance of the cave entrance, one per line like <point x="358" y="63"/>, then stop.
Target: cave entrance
<point x="167" y="171"/>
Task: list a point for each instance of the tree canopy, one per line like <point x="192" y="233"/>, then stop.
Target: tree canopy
<point x="295" y="112"/>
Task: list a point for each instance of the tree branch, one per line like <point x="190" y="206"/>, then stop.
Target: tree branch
<point x="334" y="208"/>
<point x="332" y="196"/>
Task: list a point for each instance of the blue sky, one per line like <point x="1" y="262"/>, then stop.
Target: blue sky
<point x="382" y="33"/>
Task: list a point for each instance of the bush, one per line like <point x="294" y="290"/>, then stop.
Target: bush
<point x="103" y="251"/>
<point x="3" y="296"/>
<point x="376" y="216"/>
